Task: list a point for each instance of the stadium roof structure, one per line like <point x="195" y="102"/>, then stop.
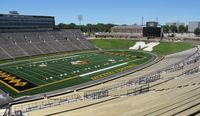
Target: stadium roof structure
<point x="20" y="15"/>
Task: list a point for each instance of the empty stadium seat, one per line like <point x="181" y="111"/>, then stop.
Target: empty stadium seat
<point x="21" y="44"/>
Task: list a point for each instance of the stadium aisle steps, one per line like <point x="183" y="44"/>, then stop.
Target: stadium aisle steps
<point x="175" y="97"/>
<point x="189" y="111"/>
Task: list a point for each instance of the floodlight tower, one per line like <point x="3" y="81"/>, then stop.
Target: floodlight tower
<point x="157" y="19"/>
<point x="80" y="19"/>
<point x="142" y="20"/>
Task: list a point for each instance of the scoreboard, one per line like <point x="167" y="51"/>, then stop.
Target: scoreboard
<point x="151" y="31"/>
<point x="152" y="24"/>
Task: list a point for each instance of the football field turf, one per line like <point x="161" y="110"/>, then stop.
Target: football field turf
<point x="53" y="73"/>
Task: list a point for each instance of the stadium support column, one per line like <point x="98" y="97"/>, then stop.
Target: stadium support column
<point x="9" y="108"/>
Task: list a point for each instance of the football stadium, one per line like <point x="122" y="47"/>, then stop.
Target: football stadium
<point x="48" y="60"/>
<point x="135" y="70"/>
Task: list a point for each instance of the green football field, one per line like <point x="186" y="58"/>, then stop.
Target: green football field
<point x="29" y="77"/>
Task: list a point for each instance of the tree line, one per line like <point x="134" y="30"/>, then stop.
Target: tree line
<point x="180" y="29"/>
<point x="100" y="27"/>
<point x="197" y="32"/>
<point x="175" y="29"/>
<point x="89" y="28"/>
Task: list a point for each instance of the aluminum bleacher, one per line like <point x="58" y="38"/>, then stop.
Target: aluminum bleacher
<point x="22" y="44"/>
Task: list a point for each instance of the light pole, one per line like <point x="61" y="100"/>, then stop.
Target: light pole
<point x="80" y="18"/>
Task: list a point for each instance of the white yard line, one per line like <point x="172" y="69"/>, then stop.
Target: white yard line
<point x="56" y="59"/>
<point x="86" y="74"/>
<point x="30" y="60"/>
<point x="19" y="71"/>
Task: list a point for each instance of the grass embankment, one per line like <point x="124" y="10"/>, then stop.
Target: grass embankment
<point x="164" y="48"/>
<point x="113" y="43"/>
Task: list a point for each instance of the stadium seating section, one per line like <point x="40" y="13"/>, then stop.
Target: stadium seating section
<point x="22" y="44"/>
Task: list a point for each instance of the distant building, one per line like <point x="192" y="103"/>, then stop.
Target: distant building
<point x="21" y="23"/>
<point x="177" y="24"/>
<point x="193" y="25"/>
<point x="127" y="29"/>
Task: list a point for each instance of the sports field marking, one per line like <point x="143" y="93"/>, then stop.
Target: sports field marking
<point x="56" y="59"/>
<point x="40" y="80"/>
<point x="55" y="67"/>
<point x="50" y="83"/>
<point x="51" y="72"/>
<point x="15" y="90"/>
<point x="69" y="78"/>
<point x="55" y="76"/>
<point x="86" y="74"/>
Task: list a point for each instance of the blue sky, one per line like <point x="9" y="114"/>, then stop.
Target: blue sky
<point x="108" y="11"/>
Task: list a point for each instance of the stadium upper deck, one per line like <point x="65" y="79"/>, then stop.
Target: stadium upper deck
<point x="21" y="23"/>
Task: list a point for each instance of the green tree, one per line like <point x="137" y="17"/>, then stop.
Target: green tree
<point x="197" y="32"/>
<point x="182" y="29"/>
<point x="61" y="26"/>
<point x="186" y="29"/>
<point x="67" y="26"/>
<point x="173" y="29"/>
<point x="166" y="29"/>
<point x="89" y="28"/>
